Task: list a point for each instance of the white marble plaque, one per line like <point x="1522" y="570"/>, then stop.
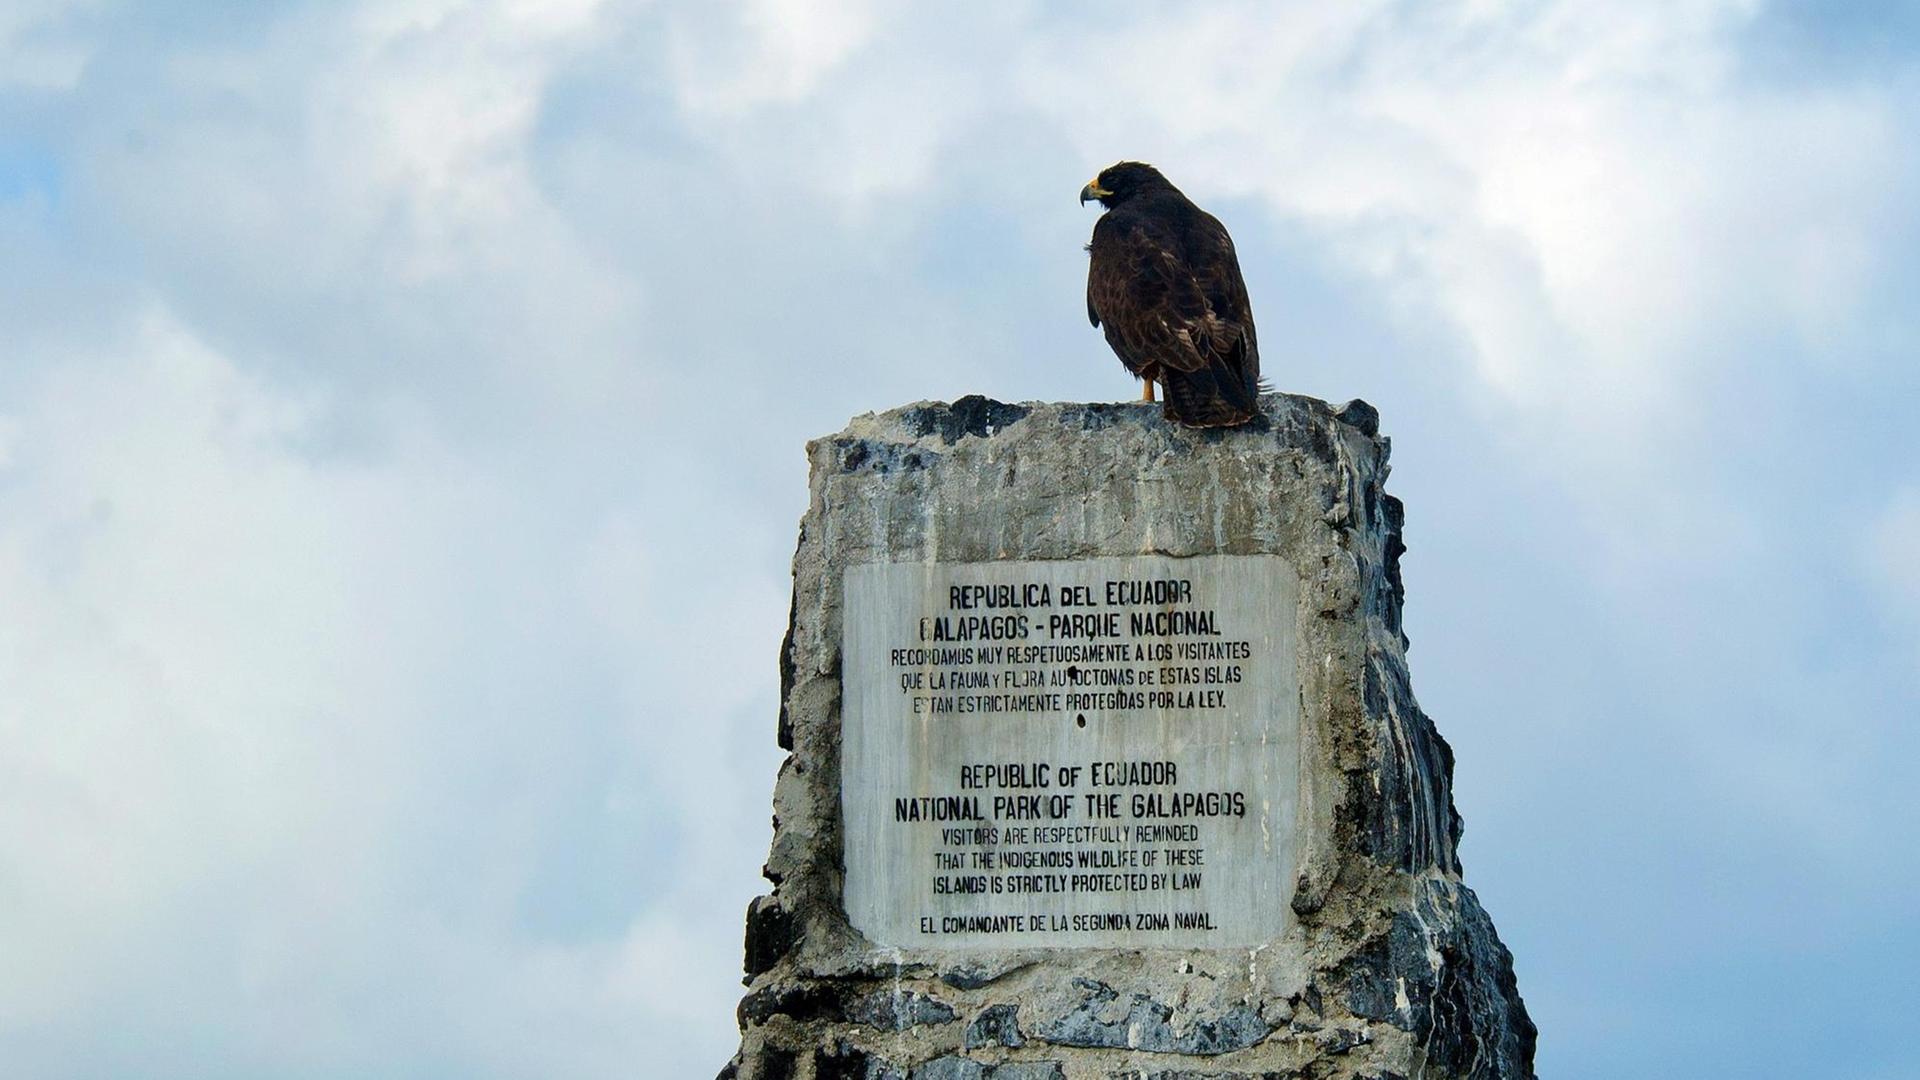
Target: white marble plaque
<point x="1094" y="753"/>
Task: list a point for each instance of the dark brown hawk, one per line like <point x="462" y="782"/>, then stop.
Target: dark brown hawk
<point x="1165" y="286"/>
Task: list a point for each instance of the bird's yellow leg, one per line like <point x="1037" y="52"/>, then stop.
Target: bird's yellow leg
<point x="1146" y="390"/>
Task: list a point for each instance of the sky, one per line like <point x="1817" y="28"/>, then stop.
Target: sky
<point x="402" y="406"/>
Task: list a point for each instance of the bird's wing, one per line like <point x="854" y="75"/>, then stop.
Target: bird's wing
<point x="1230" y="313"/>
<point x="1156" y="308"/>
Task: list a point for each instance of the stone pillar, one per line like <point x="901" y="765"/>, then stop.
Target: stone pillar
<point x="1104" y="762"/>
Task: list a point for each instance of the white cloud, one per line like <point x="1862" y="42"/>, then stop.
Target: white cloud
<point x="1588" y="191"/>
<point x="728" y="59"/>
<point x="244" y="728"/>
<point x="193" y="666"/>
<point x="352" y="189"/>
<point x="38" y="48"/>
<point x="1893" y="550"/>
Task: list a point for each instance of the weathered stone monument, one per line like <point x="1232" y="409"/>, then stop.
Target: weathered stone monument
<point x="1104" y="763"/>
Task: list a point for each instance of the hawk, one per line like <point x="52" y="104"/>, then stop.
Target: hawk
<point x="1164" y="285"/>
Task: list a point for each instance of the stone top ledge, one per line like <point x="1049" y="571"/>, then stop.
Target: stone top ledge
<point x="977" y="416"/>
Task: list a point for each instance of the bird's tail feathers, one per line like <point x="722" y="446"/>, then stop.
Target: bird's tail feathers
<point x="1215" y="396"/>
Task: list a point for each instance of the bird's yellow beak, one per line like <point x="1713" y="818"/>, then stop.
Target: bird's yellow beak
<point x="1093" y="191"/>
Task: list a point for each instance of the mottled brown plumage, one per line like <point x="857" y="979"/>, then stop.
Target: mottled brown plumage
<point x="1164" y="285"/>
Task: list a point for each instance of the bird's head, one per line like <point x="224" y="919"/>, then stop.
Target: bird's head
<point x="1122" y="181"/>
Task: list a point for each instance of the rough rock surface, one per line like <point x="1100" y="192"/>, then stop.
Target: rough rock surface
<point x="1389" y="968"/>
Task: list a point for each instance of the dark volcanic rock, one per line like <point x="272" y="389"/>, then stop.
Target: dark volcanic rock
<point x="995" y="1025"/>
<point x="1145" y="1024"/>
<point x="769" y="935"/>
<point x="971" y="415"/>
